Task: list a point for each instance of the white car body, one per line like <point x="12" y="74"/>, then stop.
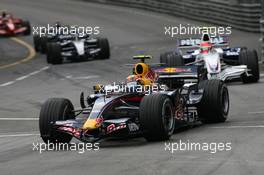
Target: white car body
<point x="215" y="68"/>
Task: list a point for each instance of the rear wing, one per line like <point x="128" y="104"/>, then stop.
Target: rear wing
<point x="181" y="73"/>
<point x="218" y="41"/>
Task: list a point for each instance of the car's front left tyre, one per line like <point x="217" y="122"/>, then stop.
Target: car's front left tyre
<point x="55" y="109"/>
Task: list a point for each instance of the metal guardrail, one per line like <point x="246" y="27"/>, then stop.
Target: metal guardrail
<point x="245" y="17"/>
<point x="262" y="39"/>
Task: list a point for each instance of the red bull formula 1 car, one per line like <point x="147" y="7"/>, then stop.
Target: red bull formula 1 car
<point x="11" y="26"/>
<point x="145" y="105"/>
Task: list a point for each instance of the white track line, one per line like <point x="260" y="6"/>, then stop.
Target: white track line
<point x="237" y="127"/>
<point x="19" y="119"/>
<point x="86" y="77"/>
<point x="24" y="77"/>
<point x="7" y="83"/>
<point x="81" y="77"/>
<point x="18" y="135"/>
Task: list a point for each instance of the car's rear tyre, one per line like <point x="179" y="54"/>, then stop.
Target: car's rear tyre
<point x="28" y="27"/>
<point x="163" y="57"/>
<point x="36" y="41"/>
<point x="54" y="54"/>
<point x="250" y="59"/>
<point x="214" y="105"/>
<point x="55" y="109"/>
<point x="157" y="117"/>
<point x="171" y="59"/>
<point x="49" y="52"/>
<point x="103" y="44"/>
<point x="43" y="44"/>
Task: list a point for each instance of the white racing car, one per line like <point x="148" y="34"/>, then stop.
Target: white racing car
<point x="218" y="60"/>
<point x="74" y="47"/>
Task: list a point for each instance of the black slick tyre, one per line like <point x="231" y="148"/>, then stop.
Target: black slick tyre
<point x="54" y="54"/>
<point x="214" y="105"/>
<point x="157" y="117"/>
<point x="28" y="27"/>
<point x="250" y="59"/>
<point x="55" y="109"/>
<point x="103" y="44"/>
<point x="36" y="41"/>
<point x="43" y="44"/>
<point x="171" y="59"/>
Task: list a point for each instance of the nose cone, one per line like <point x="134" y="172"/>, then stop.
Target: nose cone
<point x="91" y="124"/>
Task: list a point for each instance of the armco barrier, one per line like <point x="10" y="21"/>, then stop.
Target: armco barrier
<point x="245" y="17"/>
<point x="262" y="39"/>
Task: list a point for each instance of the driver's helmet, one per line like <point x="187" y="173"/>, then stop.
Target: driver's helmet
<point x="4" y="14"/>
<point x="57" y="24"/>
<point x="205" y="47"/>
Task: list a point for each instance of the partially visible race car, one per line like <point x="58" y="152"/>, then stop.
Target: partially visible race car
<point x="43" y="37"/>
<point x="219" y="60"/>
<point x="11" y="26"/>
<point x="141" y="106"/>
<point x="71" y="46"/>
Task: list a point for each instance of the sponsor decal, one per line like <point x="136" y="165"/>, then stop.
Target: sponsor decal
<point x="174" y="70"/>
<point x="196" y="42"/>
<point x="179" y="115"/>
<point x="111" y="128"/>
<point x="75" y="132"/>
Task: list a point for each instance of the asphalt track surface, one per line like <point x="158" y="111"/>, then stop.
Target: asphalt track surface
<point x="25" y="87"/>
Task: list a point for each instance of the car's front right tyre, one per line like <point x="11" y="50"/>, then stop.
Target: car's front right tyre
<point x="250" y="59"/>
<point x="103" y="44"/>
<point x="157" y="117"/>
<point x="214" y="105"/>
<point x="54" y="53"/>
